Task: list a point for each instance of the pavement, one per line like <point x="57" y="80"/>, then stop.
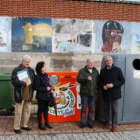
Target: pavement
<point x="67" y="131"/>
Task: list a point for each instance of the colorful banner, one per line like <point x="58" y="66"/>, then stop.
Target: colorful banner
<point x="66" y="93"/>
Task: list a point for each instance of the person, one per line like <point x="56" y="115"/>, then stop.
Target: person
<point x="73" y="33"/>
<point x="110" y="80"/>
<point x="112" y="36"/>
<point x="43" y="87"/>
<point x="23" y="93"/>
<point x="88" y="78"/>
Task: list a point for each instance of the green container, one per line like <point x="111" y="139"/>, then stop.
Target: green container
<point x="6" y="91"/>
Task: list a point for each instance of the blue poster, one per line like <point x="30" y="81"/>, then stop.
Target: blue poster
<point x="31" y="35"/>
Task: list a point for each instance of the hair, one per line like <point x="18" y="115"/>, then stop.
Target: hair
<point x="111" y="25"/>
<point x="89" y="60"/>
<point x="39" y="66"/>
<point x="26" y="57"/>
<point x="106" y="57"/>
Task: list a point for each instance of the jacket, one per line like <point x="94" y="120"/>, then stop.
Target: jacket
<point x="114" y="76"/>
<point x="39" y="86"/>
<point x="19" y="85"/>
<point x="87" y="87"/>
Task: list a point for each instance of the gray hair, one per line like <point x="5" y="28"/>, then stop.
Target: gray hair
<point x="26" y="57"/>
<point x="89" y="60"/>
<point x="106" y="57"/>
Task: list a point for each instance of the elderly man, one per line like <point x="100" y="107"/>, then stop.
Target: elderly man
<point x="88" y="78"/>
<point x="111" y="79"/>
<point x="23" y="93"/>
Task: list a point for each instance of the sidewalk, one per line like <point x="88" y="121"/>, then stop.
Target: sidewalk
<point x="6" y="127"/>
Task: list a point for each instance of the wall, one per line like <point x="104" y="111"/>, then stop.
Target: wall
<point x="65" y="9"/>
<point x="69" y="9"/>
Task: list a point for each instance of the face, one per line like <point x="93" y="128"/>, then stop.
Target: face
<point x="109" y="62"/>
<point x="43" y="70"/>
<point x="26" y="63"/>
<point x="90" y="64"/>
<point x="115" y="36"/>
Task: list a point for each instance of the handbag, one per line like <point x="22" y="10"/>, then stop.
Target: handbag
<point x="51" y="101"/>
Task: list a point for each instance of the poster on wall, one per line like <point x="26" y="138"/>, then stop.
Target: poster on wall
<point x="31" y="35"/>
<point x="113" y="37"/>
<point x="5" y="34"/>
<point x="135" y="38"/>
<point x="71" y="35"/>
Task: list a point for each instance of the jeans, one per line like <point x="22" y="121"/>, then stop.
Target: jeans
<point x="111" y="112"/>
<point x="90" y="101"/>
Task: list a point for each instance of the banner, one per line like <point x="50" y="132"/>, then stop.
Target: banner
<point x="66" y="93"/>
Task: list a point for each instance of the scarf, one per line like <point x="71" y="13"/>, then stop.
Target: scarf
<point x="46" y="79"/>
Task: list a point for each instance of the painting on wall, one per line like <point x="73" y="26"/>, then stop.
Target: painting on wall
<point x="113" y="37"/>
<point x="5" y="34"/>
<point x="135" y="38"/>
<point x="31" y="35"/>
<point x="70" y="35"/>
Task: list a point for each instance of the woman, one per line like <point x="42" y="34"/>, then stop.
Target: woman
<point x="43" y="88"/>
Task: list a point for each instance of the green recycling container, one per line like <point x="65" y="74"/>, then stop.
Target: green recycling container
<point x="6" y="91"/>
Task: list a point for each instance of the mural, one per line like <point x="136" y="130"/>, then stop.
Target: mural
<point x="135" y="38"/>
<point x="5" y="36"/>
<point x="112" y="37"/>
<point x="71" y="35"/>
<point x="31" y="35"/>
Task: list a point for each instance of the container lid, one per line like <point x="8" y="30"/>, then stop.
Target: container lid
<point x="5" y="76"/>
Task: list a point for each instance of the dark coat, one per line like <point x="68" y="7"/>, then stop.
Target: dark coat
<point x="114" y="76"/>
<point x="19" y="85"/>
<point x="87" y="87"/>
<point x="39" y="86"/>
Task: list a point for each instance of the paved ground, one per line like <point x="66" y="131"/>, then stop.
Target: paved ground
<point x="125" y="135"/>
<point x="68" y="131"/>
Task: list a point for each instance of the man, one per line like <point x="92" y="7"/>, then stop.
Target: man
<point x="112" y="35"/>
<point x="88" y="78"/>
<point x="23" y="93"/>
<point x="111" y="79"/>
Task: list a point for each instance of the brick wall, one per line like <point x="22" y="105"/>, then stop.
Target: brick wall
<point x="69" y="9"/>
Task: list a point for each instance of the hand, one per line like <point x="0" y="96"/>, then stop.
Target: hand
<point x="89" y="78"/>
<point x="48" y="88"/>
<point x="105" y="87"/>
<point x="27" y="84"/>
<point x="110" y="85"/>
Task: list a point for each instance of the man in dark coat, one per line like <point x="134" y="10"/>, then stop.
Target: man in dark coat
<point x="88" y="78"/>
<point x="111" y="79"/>
<point x="23" y="93"/>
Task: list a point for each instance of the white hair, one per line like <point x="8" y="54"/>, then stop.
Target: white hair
<point x="89" y="60"/>
<point x="106" y="57"/>
<point x="26" y="57"/>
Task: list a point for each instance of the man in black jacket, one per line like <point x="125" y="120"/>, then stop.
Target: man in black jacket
<point x="111" y="79"/>
<point x="23" y="93"/>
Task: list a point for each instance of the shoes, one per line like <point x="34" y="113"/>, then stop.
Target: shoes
<point x="106" y="126"/>
<point x="90" y="125"/>
<point x="82" y="125"/>
<point x="114" y="128"/>
<point x="26" y="128"/>
<point x="41" y="127"/>
<point x="48" y="125"/>
<point x="17" y="131"/>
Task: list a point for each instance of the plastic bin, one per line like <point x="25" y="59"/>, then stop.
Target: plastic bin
<point x="6" y="92"/>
